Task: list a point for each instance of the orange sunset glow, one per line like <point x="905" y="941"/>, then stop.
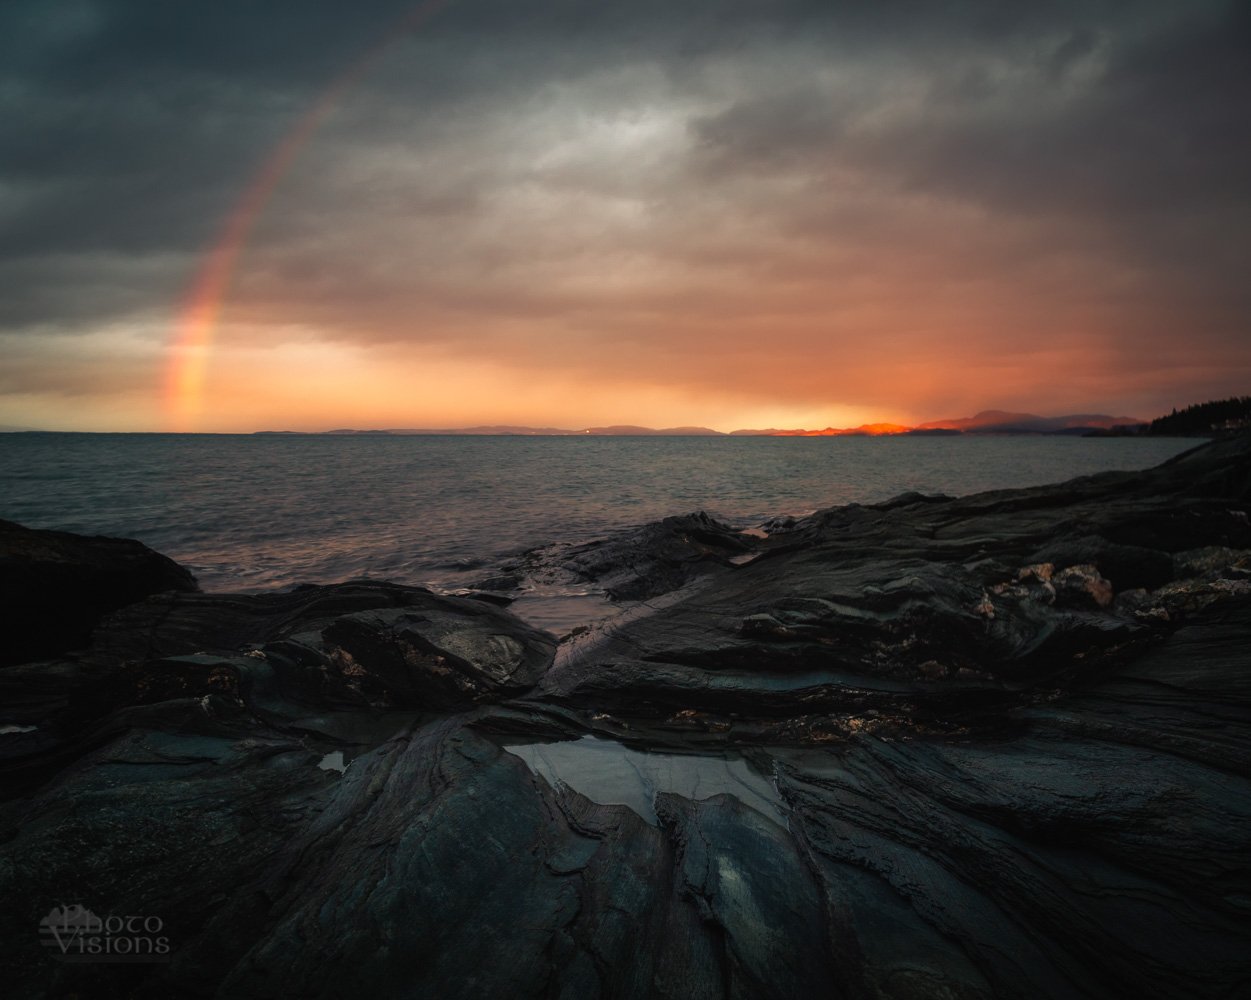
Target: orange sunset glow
<point x="451" y="216"/>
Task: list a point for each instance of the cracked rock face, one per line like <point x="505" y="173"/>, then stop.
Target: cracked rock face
<point x="995" y="746"/>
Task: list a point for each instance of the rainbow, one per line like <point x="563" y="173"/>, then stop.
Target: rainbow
<point x="201" y="307"/>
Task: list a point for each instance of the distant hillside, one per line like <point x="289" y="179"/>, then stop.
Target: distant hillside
<point x="626" y="430"/>
<point x="619" y="430"/>
<point x="864" y="430"/>
<point x="986" y="422"/>
<point x="494" y="429"/>
<point x="1220" y="416"/>
<point x="1004" y="422"/>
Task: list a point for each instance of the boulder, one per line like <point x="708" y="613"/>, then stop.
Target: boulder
<point x="55" y="586"/>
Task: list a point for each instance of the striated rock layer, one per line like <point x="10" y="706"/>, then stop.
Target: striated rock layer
<point x="995" y="746"/>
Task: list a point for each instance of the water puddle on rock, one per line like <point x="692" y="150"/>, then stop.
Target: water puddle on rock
<point x="334" y="762"/>
<point x="554" y="607"/>
<point x="612" y="774"/>
<point x="560" y="609"/>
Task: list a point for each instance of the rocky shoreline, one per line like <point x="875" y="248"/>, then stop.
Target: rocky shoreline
<point x="994" y="746"/>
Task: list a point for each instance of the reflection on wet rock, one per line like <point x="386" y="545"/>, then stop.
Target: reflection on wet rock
<point x="611" y="774"/>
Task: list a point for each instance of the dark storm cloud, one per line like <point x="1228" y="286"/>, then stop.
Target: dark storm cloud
<point x="1158" y="121"/>
<point x="627" y="167"/>
<point x="1130" y="136"/>
<point x="129" y="128"/>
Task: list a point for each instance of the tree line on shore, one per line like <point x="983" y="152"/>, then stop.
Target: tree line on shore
<point x="1217" y="416"/>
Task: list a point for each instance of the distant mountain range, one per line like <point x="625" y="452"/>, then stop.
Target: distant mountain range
<point x="1003" y="422"/>
<point x="864" y="430"/>
<point x="620" y="430"/>
<point x="986" y="422"/>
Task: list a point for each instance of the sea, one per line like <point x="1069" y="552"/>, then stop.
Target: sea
<point x="263" y="512"/>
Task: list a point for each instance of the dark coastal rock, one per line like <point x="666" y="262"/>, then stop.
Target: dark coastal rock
<point x="862" y="599"/>
<point x="640" y="563"/>
<point x="994" y="746"/>
<point x="437" y="865"/>
<point x="58" y="586"/>
<point x="281" y="658"/>
<point x="439" y="655"/>
<point x="396" y="640"/>
<point x="1125" y="566"/>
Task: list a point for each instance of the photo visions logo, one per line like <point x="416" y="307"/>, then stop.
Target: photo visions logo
<point x="75" y="934"/>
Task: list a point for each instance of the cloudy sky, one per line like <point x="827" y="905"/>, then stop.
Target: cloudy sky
<point x="736" y="213"/>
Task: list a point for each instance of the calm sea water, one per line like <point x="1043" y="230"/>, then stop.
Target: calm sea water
<point x="258" y="512"/>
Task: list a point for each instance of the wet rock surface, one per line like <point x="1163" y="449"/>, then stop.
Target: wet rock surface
<point x="638" y="564"/>
<point x="995" y="746"/>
